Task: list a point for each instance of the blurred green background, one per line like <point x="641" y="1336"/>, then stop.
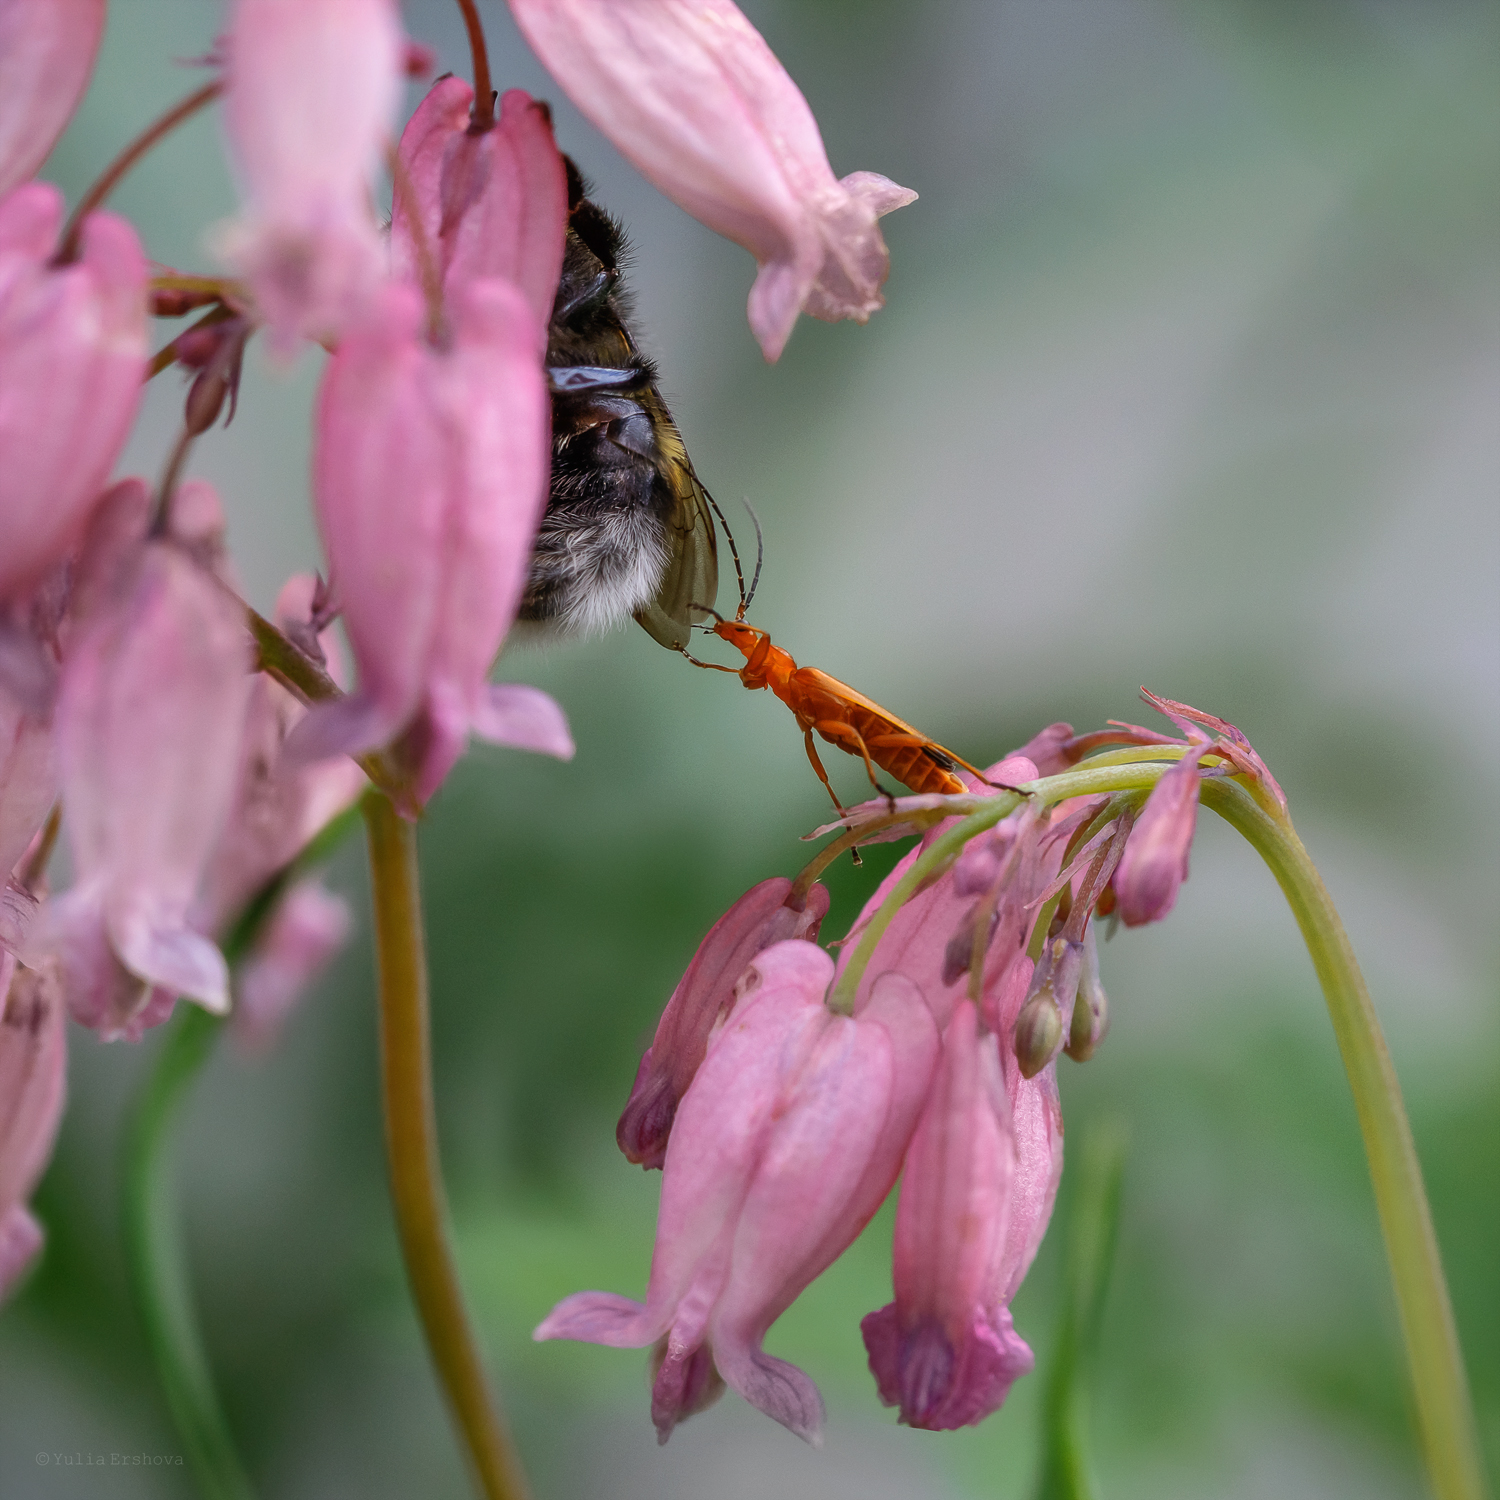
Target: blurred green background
<point x="1190" y="377"/>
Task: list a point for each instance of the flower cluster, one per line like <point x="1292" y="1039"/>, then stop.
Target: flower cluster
<point x="188" y="750"/>
<point x="784" y="1093"/>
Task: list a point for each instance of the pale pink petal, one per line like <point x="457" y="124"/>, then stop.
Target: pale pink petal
<point x="379" y="471"/>
<point x="430" y="474"/>
<point x="312" y="89"/>
<point x="47" y="51"/>
<point x="706" y="993"/>
<point x="1155" y="862"/>
<point x="20" y="1240"/>
<point x="493" y="204"/>
<point x="28" y="785"/>
<point x="149" y="724"/>
<point x="523" y="717"/>
<point x="72" y="357"/>
<point x="310" y="925"/>
<point x="689" y="91"/>
<point x="597" y="1318"/>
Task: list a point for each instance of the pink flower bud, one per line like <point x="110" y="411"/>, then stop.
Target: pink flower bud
<point x="1155" y="862"/>
<point x="784" y="1146"/>
<point x="47" y="50"/>
<point x="72" y="357"/>
<point x="312" y="92"/>
<point x="492" y="204"/>
<point x="430" y="473"/>
<point x="702" y="1001"/>
<point x="310" y="924"/>
<point x="33" y="1075"/>
<point x="689" y="91"/>
<point x="149" y="724"/>
<point x="945" y="1350"/>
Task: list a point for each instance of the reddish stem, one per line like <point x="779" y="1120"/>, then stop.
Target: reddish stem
<point x="482" y="114"/>
<point x="67" y="250"/>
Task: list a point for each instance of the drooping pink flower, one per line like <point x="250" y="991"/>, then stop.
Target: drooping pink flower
<point x="945" y="1351"/>
<point x="493" y="203"/>
<point x="701" y="1002"/>
<point x="783" y="1147"/>
<point x="1155" y="862"/>
<point x="47" y="51"/>
<point x="149" y="724"/>
<point x="72" y="357"/>
<point x="689" y="91"/>
<point x="310" y="924"/>
<point x="430" y="473"/>
<point x="33" y="1075"/>
<point x="312" y="88"/>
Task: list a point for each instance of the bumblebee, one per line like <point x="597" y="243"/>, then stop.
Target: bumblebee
<point x="628" y="528"/>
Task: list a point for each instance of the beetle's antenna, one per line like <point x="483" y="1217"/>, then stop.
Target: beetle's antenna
<point x="760" y="557"/>
<point x="734" y="552"/>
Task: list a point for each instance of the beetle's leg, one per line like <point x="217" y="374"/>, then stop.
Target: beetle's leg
<point x="713" y="666"/>
<point x="817" y="765"/>
<point x="837" y="729"/>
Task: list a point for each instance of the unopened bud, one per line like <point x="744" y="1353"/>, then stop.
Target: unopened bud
<point x="1091" y="1009"/>
<point x="958" y="956"/>
<point x="1039" y="1030"/>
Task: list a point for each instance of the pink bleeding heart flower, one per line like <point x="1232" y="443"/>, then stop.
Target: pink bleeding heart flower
<point x="72" y="358"/>
<point x="945" y="1351"/>
<point x="489" y="203"/>
<point x="309" y="925"/>
<point x="149" y="723"/>
<point x="430" y="473"/>
<point x="33" y="1077"/>
<point x="702" y="1002"/>
<point x="47" y="51"/>
<point x="689" y="91"/>
<point x="312" y="88"/>
<point x="785" y="1144"/>
<point x="1155" y="862"/>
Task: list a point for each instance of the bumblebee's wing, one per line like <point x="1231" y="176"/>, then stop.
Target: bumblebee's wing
<point x="692" y="572"/>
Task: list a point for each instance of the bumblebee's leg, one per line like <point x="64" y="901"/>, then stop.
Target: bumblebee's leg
<point x="589" y="298"/>
<point x="836" y="730"/>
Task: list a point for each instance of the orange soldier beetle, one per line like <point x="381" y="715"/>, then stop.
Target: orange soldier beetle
<point x="832" y="709"/>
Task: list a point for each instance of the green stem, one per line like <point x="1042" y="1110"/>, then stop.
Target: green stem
<point x="412" y="1151"/>
<point x="157" y="1261"/>
<point x="1445" y="1414"/>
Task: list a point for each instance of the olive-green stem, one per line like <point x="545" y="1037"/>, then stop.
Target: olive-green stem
<point x="412" y="1151"/>
<point x="157" y="1267"/>
<point x="1445" y="1414"/>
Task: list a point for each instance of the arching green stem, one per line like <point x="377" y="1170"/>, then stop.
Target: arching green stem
<point x="1445" y="1414"/>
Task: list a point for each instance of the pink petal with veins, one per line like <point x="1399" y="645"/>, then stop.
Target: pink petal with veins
<point x="72" y="358"/>
<point x="689" y="91"/>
